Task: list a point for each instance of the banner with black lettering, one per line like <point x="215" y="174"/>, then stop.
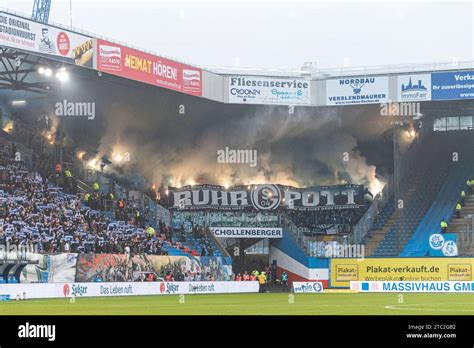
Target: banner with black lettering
<point x="266" y="197"/>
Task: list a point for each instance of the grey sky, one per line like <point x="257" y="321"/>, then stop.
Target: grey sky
<point x="279" y="34"/>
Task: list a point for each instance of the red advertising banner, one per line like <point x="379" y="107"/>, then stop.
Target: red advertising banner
<point x="144" y="67"/>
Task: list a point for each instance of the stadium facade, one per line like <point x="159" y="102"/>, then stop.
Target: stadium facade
<point x="398" y="225"/>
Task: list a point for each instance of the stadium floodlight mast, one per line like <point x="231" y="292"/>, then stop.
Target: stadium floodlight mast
<point x="45" y="71"/>
<point x="61" y="74"/>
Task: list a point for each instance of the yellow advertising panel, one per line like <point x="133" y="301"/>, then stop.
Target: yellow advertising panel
<point x="400" y="269"/>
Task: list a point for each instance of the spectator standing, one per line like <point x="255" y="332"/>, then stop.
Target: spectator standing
<point x="458" y="210"/>
<point x="284" y="282"/>
<point x="444" y="226"/>
<point x="246" y="276"/>
<point x="262" y="282"/>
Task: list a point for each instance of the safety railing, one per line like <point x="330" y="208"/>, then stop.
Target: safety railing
<point x="316" y="73"/>
<point x="296" y="233"/>
<point x="465" y="236"/>
<point x="366" y="222"/>
<point x="404" y="163"/>
<point x="94" y="35"/>
<point x="217" y="242"/>
<point x="321" y="74"/>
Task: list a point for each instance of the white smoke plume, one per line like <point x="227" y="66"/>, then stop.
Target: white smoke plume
<point x="312" y="146"/>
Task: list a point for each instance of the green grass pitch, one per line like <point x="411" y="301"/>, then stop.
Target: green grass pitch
<point x="251" y="304"/>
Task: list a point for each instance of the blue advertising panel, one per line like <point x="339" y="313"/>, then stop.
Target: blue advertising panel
<point x="452" y="85"/>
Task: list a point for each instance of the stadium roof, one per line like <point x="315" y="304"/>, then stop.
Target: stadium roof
<point x="309" y="70"/>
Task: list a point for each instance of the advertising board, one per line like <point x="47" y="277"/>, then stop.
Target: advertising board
<point x="417" y="287"/>
<point x="269" y="90"/>
<point x="345" y="270"/>
<point x="99" y="289"/>
<point x="43" y="39"/>
<point x="144" y="67"/>
<point x="308" y="287"/>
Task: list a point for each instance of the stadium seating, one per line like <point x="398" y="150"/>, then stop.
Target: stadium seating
<point x="382" y="224"/>
<point x="384" y="216"/>
<point x="443" y="207"/>
<point x="429" y="195"/>
<point x="36" y="213"/>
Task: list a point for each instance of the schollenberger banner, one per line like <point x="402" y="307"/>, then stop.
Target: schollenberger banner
<point x="269" y="90"/>
<point x="266" y="197"/>
<point x="343" y="271"/>
<point x="24" y="34"/>
<point x="247" y="232"/>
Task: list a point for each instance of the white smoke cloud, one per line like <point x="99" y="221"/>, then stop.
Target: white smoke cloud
<point x="310" y="147"/>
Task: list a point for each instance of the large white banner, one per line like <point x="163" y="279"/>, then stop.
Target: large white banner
<point x="58" y="268"/>
<point x="414" y="87"/>
<point x="247" y="232"/>
<point x="24" y="34"/>
<point x="59" y="290"/>
<point x="268" y="90"/>
<point x="357" y="90"/>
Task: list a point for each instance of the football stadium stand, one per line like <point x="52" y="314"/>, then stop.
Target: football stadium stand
<point x="429" y="195"/>
<point x="35" y="211"/>
<point x="48" y="210"/>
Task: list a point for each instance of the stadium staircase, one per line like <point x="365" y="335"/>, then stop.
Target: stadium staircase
<point x="449" y="192"/>
<point x="417" y="192"/>
<point x="83" y="188"/>
<point x="442" y="208"/>
<point x="383" y="222"/>
<point x="463" y="227"/>
<point x="220" y="248"/>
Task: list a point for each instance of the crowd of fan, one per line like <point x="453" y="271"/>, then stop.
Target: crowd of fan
<point x="37" y="214"/>
<point x="41" y="209"/>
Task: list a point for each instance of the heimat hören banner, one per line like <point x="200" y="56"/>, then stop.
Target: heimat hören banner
<point x="266" y="197"/>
